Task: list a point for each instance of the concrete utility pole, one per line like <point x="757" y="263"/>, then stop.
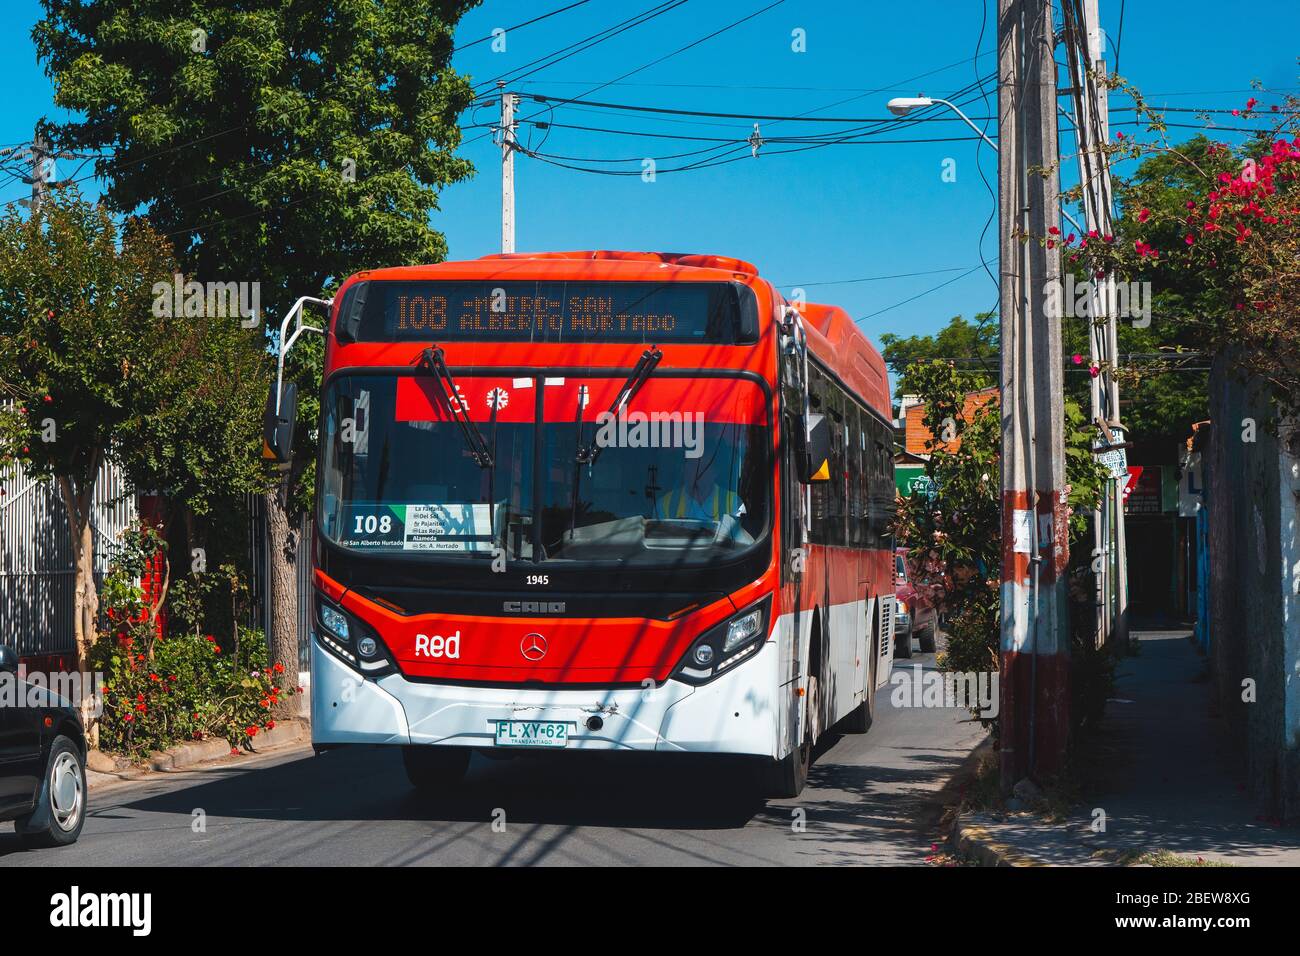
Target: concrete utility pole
<point x="1035" y="695"/>
<point x="508" y="102"/>
<point x="1086" y="60"/>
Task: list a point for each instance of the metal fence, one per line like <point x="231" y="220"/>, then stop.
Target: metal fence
<point x="37" y="574"/>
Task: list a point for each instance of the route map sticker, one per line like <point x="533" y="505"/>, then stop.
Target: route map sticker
<point x="431" y="527"/>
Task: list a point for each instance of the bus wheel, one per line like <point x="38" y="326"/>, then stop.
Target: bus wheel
<point x="859" y="719"/>
<point x="790" y="773"/>
<point x="434" y="769"/>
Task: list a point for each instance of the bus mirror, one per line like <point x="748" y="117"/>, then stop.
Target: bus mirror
<point x="278" y="425"/>
<point x="817" y="450"/>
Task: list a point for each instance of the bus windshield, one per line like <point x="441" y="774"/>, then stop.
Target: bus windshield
<point x="664" y="488"/>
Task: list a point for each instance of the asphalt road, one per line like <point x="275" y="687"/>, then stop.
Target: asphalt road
<point x="871" y="799"/>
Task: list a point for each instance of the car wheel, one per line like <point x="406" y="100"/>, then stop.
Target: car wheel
<point x="60" y="810"/>
<point x="435" y="769"/>
<point x="926" y="638"/>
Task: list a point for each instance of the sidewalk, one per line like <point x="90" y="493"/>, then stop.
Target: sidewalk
<point x="1163" y="772"/>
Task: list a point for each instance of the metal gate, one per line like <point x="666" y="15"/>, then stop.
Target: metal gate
<point x="37" y="575"/>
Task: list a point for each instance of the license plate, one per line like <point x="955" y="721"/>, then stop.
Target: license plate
<point x="532" y="733"/>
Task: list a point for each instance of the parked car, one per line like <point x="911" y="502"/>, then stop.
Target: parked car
<point x="914" y="613"/>
<point x="42" y="760"/>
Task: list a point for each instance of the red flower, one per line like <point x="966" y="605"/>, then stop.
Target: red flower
<point x="279" y="668"/>
<point x="251" y="730"/>
<point x="1053" y="230"/>
<point x="1144" y="214"/>
<point x="270" y="725"/>
<point x="154" y="677"/>
<point x="128" y="717"/>
<point x="1189" y="239"/>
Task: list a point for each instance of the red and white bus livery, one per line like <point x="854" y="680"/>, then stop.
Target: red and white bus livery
<point x="595" y="501"/>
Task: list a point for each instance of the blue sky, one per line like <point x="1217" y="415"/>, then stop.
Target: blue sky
<point x="815" y="217"/>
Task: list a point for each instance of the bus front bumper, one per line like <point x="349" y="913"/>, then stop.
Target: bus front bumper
<point x="737" y="713"/>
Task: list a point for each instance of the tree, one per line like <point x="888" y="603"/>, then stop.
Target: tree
<point x="78" y="347"/>
<point x="975" y="345"/>
<point x="198" y="444"/>
<point x="288" y="145"/>
<point x="1214" y="229"/>
<point x="954" y="538"/>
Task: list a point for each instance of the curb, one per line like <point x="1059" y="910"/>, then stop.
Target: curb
<point x="976" y="842"/>
<point x="285" y="733"/>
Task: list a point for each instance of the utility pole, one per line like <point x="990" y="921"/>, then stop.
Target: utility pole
<point x="38" y="155"/>
<point x="1085" y="59"/>
<point x="1034" y="680"/>
<point x="508" y="102"/>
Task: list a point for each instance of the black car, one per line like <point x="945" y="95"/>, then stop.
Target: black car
<point x="42" y="760"/>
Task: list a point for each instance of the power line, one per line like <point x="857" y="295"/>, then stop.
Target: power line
<point x="518" y="26"/>
<point x="898" y="275"/>
<point x="761" y="117"/>
<point x="586" y="43"/>
<point x="890" y="308"/>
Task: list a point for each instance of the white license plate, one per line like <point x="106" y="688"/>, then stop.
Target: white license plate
<point x="532" y="733"/>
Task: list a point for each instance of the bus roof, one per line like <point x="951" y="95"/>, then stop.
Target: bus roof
<point x="589" y="264"/>
<point x="835" y="338"/>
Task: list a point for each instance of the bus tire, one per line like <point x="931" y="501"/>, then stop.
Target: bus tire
<point x="435" y="769"/>
<point x="789" y="775"/>
<point x="860" y="718"/>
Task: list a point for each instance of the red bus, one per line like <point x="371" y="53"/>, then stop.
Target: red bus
<point x="595" y="501"/>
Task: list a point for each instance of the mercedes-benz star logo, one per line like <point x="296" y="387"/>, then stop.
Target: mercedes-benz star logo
<point x="533" y="647"/>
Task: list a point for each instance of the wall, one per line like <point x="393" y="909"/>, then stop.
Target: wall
<point x="1254" y="543"/>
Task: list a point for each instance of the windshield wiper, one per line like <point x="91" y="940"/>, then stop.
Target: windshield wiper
<point x="641" y="372"/>
<point x="474" y="440"/>
<point x="585" y="454"/>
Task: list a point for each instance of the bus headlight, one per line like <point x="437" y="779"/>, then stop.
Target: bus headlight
<point x="334" y="621"/>
<point x="741" y="630"/>
<point x="351" y="640"/>
<point x="725" y="645"/>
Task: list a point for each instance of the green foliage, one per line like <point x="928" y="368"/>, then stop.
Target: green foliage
<point x="954" y="540"/>
<point x="189" y="685"/>
<point x="192" y="688"/>
<point x="290" y="144"/>
<point x="128" y="612"/>
<point x="1213" y="227"/>
<point x="976" y="344"/>
<point x="78" y="347"/>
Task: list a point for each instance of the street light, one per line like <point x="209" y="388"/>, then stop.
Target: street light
<point x="902" y="105"/>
